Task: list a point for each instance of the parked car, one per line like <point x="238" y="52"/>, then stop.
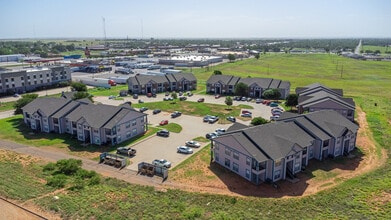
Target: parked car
<point x="201" y="100"/>
<point x="237" y="98"/>
<point x="112" y="97"/>
<point x="231" y="119"/>
<point x="176" y="114"/>
<point x="213" y="119"/>
<point x="217" y="96"/>
<point x="243" y="98"/>
<point x="189" y="94"/>
<point x="184" y="150"/>
<point x="258" y="101"/>
<point x="163" y="122"/>
<point x="180" y="93"/>
<point x="135" y="96"/>
<point x="246" y="115"/>
<point x="273" y="104"/>
<point x="278" y="108"/>
<point x="211" y="135"/>
<point x="193" y="144"/>
<point x="143" y="109"/>
<point x="163" y="133"/>
<point x="220" y="130"/>
<point x="276" y="111"/>
<point x="274" y="117"/>
<point x="249" y="99"/>
<point x="16" y="95"/>
<point x="156" y="111"/>
<point x="206" y="118"/>
<point x="246" y="112"/>
<point x="149" y="95"/>
<point x="168" y="98"/>
<point x="126" y="151"/>
<point x="140" y="101"/>
<point x="167" y="94"/>
<point x="182" y="98"/>
<point x="161" y="163"/>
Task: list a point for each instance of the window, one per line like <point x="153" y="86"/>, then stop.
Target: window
<point x="142" y="120"/>
<point x="217" y="156"/>
<point x="338" y="140"/>
<point x="277" y="163"/>
<point x="6" y="80"/>
<point x="127" y="125"/>
<point x="12" y="79"/>
<point x="227" y="162"/>
<point x="235" y="167"/>
<point x="277" y="174"/>
<point x="236" y="155"/>
<point x="21" y="78"/>
<point x="97" y="140"/>
<point x="134" y="131"/>
<point x="227" y="151"/>
<point x="326" y="143"/>
<point x="119" y="128"/>
<point x="133" y="122"/>
<point x="248" y="161"/>
<point x="119" y="138"/>
<point x="297" y="166"/>
<point x="247" y="174"/>
<point x="128" y="134"/>
<point x="216" y="147"/>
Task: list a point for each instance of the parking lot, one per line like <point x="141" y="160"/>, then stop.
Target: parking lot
<point x="156" y="147"/>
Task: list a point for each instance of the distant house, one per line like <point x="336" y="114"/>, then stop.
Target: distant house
<point x="317" y="97"/>
<point x="90" y="123"/>
<point x="276" y="151"/>
<point x="225" y="85"/>
<point x="143" y="84"/>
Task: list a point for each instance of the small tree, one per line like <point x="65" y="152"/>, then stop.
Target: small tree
<point x="68" y="166"/>
<point x="231" y="57"/>
<point x="241" y="89"/>
<point x="26" y="99"/>
<point x="271" y="94"/>
<point x="258" y="121"/>
<point x="217" y="72"/>
<point x="291" y="100"/>
<point x="228" y="101"/>
<point x="257" y="56"/>
<point x="82" y="95"/>
<point x="80" y="87"/>
<point x="174" y="95"/>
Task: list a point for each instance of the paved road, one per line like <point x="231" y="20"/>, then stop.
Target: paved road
<point x="7" y="114"/>
<point x="358" y="48"/>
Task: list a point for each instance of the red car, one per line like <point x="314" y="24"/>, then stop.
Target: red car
<point x="163" y="122"/>
<point x="246" y="112"/>
<point x="201" y="100"/>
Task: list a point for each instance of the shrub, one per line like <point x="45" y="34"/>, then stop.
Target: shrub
<point x="68" y="167"/>
<point x="57" y="181"/>
<point x="78" y="184"/>
<point x="95" y="180"/>
<point x="49" y="167"/>
<point x="258" y="121"/>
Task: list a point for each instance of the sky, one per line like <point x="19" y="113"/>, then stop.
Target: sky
<point x="195" y="19"/>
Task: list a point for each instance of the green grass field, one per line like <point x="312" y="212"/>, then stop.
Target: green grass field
<point x="382" y="49"/>
<point x="363" y="197"/>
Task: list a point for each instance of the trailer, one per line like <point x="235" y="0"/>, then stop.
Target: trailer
<point x="112" y="160"/>
<point x="98" y="82"/>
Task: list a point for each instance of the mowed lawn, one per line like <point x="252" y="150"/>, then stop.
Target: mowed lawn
<point x="363" y="197"/>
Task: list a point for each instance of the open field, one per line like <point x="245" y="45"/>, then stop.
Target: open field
<point x="382" y="49"/>
<point x="364" y="197"/>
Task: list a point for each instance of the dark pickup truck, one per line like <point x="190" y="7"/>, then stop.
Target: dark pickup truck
<point x="126" y="151"/>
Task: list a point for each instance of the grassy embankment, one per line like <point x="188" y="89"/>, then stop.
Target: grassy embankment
<point x="366" y="196"/>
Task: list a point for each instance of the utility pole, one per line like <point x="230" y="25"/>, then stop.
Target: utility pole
<point x="104" y="29"/>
